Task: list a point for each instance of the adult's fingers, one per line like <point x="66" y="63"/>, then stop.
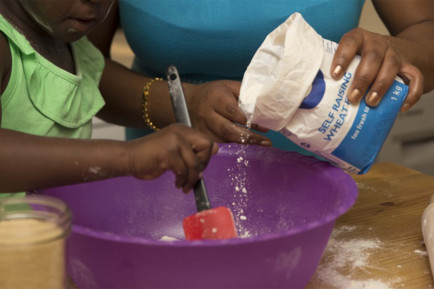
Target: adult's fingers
<point x="372" y="58"/>
<point x="349" y="46"/>
<point x="385" y="77"/>
<point x="414" y="79"/>
<point x="228" y="131"/>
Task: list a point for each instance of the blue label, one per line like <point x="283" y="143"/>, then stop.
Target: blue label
<point x="316" y="94"/>
<point x="371" y="126"/>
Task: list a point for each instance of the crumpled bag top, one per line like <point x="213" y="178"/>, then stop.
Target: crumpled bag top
<point x="281" y="73"/>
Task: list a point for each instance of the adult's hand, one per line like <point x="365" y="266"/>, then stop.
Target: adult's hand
<point x="407" y="52"/>
<point x="214" y="110"/>
<point x="381" y="61"/>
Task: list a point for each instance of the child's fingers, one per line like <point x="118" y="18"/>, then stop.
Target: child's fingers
<point x="214" y="148"/>
<point x="180" y="169"/>
<point x="193" y="167"/>
<point x="196" y="152"/>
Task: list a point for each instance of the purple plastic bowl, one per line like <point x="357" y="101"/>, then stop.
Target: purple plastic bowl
<point x="284" y="204"/>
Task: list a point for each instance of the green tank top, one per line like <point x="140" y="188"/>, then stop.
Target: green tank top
<point x="43" y="99"/>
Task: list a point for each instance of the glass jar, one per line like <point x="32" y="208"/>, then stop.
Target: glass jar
<point x="33" y="233"/>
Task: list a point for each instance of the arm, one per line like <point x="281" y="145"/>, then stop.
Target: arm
<point x="121" y="87"/>
<point x="408" y="52"/>
<point x="213" y="106"/>
<point x="5" y="68"/>
<point x="31" y="162"/>
<point x="411" y="24"/>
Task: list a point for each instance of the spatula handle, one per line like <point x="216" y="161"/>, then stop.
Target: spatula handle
<point x="181" y="116"/>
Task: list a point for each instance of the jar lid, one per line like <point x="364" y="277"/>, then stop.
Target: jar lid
<point x="33" y="219"/>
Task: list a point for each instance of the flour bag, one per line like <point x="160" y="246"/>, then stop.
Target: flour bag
<point x="287" y="87"/>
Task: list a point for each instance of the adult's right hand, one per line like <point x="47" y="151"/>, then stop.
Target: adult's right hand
<point x="214" y="110"/>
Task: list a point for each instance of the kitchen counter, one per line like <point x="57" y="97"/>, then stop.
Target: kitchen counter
<point x="378" y="243"/>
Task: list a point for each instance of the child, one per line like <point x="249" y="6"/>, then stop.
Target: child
<point x="49" y="94"/>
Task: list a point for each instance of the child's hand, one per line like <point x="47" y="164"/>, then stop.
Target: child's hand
<point x="178" y="148"/>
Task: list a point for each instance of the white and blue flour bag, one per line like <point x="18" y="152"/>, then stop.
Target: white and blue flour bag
<point x="287" y="87"/>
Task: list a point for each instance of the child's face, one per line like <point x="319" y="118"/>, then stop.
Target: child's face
<point x="67" y="20"/>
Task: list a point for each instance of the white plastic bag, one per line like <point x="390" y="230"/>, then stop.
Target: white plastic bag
<point x="287" y="87"/>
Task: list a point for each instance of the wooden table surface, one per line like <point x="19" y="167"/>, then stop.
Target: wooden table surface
<point x="378" y="243"/>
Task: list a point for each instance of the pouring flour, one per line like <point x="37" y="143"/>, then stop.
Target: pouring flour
<point x="287" y="87"/>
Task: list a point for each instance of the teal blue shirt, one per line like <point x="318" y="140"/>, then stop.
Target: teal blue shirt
<point x="216" y="39"/>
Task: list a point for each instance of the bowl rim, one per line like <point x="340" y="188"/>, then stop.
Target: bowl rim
<point x="346" y="203"/>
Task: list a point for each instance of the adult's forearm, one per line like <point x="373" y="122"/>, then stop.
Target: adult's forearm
<point x="411" y="24"/>
<point x="417" y="45"/>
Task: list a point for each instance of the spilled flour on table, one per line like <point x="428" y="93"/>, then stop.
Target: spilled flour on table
<point x="344" y="258"/>
<point x="421" y="253"/>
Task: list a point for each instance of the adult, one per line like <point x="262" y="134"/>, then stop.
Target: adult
<point x="210" y="40"/>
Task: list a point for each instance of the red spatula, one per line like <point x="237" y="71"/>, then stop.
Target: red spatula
<point x="207" y="223"/>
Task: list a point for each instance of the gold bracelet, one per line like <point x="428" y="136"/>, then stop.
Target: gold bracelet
<point x="146" y="116"/>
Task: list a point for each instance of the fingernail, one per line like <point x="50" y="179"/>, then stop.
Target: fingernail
<point x="373" y="98"/>
<point x="405" y="107"/>
<point x="337" y="71"/>
<point x="355" y="95"/>
<point x="266" y="143"/>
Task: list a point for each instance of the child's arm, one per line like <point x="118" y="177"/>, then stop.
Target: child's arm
<point x="30" y="162"/>
<point x="5" y="67"/>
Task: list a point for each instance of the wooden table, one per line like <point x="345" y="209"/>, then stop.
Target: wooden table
<point x="378" y="243"/>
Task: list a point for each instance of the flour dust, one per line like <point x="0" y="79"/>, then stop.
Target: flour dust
<point x="240" y="183"/>
<point x="346" y="258"/>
